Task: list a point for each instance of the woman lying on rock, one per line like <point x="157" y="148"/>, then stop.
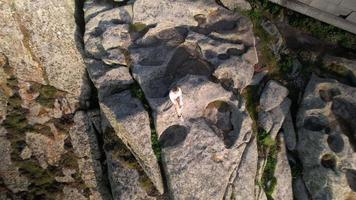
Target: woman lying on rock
<point x="177" y="99"/>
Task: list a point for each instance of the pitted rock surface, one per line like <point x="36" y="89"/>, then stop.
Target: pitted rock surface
<point x="326" y="139"/>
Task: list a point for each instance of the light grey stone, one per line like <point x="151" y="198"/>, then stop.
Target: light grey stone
<point x="289" y="132"/>
<point x="278" y="115"/>
<point x="236" y="4"/>
<point x="283" y="190"/>
<point x="265" y="120"/>
<point x="108" y="79"/>
<point x="130" y="121"/>
<point x="348" y="4"/>
<point x="26" y="153"/>
<point x="352" y="17"/>
<point x="236" y="70"/>
<point x="124" y="180"/>
<point x="41" y="45"/>
<point x="325" y="150"/>
<point x="244" y="183"/>
<point x="272" y="95"/>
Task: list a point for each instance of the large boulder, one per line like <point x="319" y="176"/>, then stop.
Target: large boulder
<point x="41" y="45"/>
<point x="201" y="155"/>
<point x="274" y="105"/>
<point x="163" y="43"/>
<point x="272" y="95"/>
<point x="43" y="83"/>
<point x="326" y="139"/>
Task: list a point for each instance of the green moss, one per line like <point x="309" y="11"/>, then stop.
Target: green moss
<point x="268" y="141"/>
<point x="137" y="27"/>
<point x="69" y="160"/>
<point x="137" y="92"/>
<point x="146" y="183"/>
<point x="42" y="129"/>
<point x="155" y="144"/>
<point x="268" y="180"/>
<point x="307" y="24"/>
<point x="47" y="95"/>
<point x="322" y="30"/>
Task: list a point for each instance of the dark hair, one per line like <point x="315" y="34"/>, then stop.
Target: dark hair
<point x="175" y="89"/>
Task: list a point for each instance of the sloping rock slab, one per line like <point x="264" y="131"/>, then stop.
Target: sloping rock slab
<point x="326" y="139"/>
<point x="130" y="121"/>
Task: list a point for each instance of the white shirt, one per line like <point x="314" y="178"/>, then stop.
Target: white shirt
<point x="175" y="95"/>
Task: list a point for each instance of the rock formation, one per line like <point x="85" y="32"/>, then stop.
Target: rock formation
<point x="85" y="112"/>
<point x="325" y="126"/>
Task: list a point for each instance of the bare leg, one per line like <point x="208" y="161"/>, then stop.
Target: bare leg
<point x="178" y="110"/>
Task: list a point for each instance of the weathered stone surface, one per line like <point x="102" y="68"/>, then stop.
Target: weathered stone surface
<point x="272" y="95"/>
<point x="72" y="194"/>
<point x="37" y="41"/>
<point x="236" y="4"/>
<point x="83" y="137"/>
<point x="244" y="183"/>
<point x="108" y="79"/>
<point x="67" y="178"/>
<point x="168" y="43"/>
<point x="130" y="121"/>
<point x="278" y="115"/>
<point x="325" y="144"/>
<point x="344" y="66"/>
<point x="182" y="143"/>
<point x="271" y="121"/>
<point x="289" y="132"/>
<point x="26" y="153"/>
<point x="283" y="190"/>
<point x="47" y="150"/>
<point x="257" y="77"/>
<point x="124" y="180"/>
<point x="9" y="172"/>
<point x="299" y="190"/>
<point x="236" y="70"/>
<point x="265" y="121"/>
<point x="86" y="148"/>
<point x="108" y="29"/>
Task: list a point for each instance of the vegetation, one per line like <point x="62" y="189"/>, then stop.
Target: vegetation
<point x="322" y="30"/>
<point x="307" y="24"/>
<point x="268" y="180"/>
<point x="137" y="27"/>
<point x="137" y="92"/>
<point x="42" y="181"/>
<point x="47" y="94"/>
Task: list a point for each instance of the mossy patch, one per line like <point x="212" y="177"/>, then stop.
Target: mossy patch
<point x="47" y="94"/>
<point x="268" y="179"/>
<point x="137" y="27"/>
